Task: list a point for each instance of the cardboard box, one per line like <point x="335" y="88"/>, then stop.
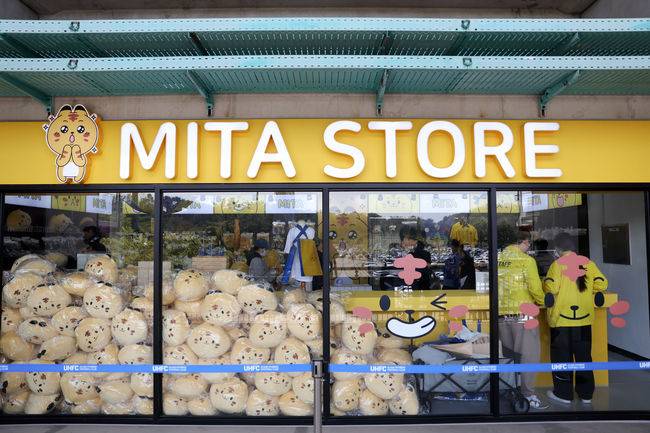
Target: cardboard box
<point x="145" y="272"/>
<point x="208" y="265"/>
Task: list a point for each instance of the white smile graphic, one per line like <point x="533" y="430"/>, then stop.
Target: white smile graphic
<point x="416" y="329"/>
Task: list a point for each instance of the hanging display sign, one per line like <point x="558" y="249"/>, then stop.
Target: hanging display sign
<point x="102" y="203"/>
<point x="42" y="201"/>
<point x="291" y="204"/>
<point x="445" y="203"/>
<point x="321" y="150"/>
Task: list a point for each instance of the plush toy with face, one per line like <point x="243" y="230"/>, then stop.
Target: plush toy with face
<point x="384" y="385"/>
<point x="292" y="351"/>
<point x="190" y="285"/>
<point x="386" y="340"/>
<point x="11" y="319"/>
<point x="397" y="356"/>
<point x="107" y="355"/>
<point x="176" y="327"/>
<point x="174" y="405"/>
<point x="76" y="283"/>
<point x="102" y="268"/>
<point x="371" y="405"/>
<point x="291" y="405"/>
<point x="142" y="405"/>
<point x="145" y="306"/>
<point x="139" y="353"/>
<point x="93" y="334"/>
<point x="344" y="356"/>
<point x="66" y="320"/>
<point x="48" y="299"/>
<point x="36" y="265"/>
<point x="38" y="404"/>
<point x="12" y="383"/>
<point x="16" y="291"/>
<point x="257" y="298"/>
<point x="18" y="221"/>
<point x="15" y="348"/>
<point x="168" y="295"/>
<point x="15" y="403"/>
<point x="78" y="357"/>
<point x="229" y="397"/>
<point x="294" y="297"/>
<point x="220" y="309"/>
<point x="229" y="281"/>
<point x="346" y="394"/>
<point x="244" y="352"/>
<point x="129" y="327"/>
<point x="36" y="330"/>
<point x="273" y="384"/>
<point x="406" y="402"/>
<point x="57" y="348"/>
<point x="303" y="386"/>
<point x="188" y="386"/>
<point x="201" y="406"/>
<point x="208" y="341"/>
<point x="42" y="383"/>
<point x="78" y="387"/>
<point x="304" y="321"/>
<point x="191" y="308"/>
<point x="359" y="342"/>
<point x="315" y="347"/>
<point x="103" y="300"/>
<point x="179" y="355"/>
<point x="115" y="391"/>
<point x="261" y="404"/>
<point x="142" y="384"/>
<point x="88" y="407"/>
<point x="217" y="377"/>
<point x="268" y="329"/>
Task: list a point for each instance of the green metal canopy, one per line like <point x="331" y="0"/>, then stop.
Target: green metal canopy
<point x="544" y="57"/>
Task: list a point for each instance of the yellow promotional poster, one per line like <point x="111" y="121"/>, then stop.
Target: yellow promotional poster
<point x="392" y="204"/>
<point x="69" y="202"/>
<point x="565" y="199"/>
<point x="243" y="203"/>
<point x="75" y="147"/>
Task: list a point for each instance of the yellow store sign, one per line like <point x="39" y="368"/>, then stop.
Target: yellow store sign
<point x="332" y="150"/>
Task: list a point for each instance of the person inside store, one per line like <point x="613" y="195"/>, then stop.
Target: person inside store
<point x="257" y="267"/>
<point x="411" y="242"/>
<point x="92" y="237"/>
<point x="451" y="281"/>
<point x="543" y="256"/>
<point x="466" y="270"/>
<point x="519" y="283"/>
<point x="570" y="313"/>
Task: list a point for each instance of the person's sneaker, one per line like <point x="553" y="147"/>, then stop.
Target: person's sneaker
<point x="535" y="402"/>
<point x="550" y="394"/>
<point x="585" y="400"/>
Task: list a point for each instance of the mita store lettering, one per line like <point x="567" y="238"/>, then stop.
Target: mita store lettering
<point x="131" y="139"/>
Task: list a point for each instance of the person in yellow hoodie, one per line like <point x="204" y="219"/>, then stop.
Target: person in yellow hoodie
<point x="570" y="285"/>
<point x="519" y="283"/>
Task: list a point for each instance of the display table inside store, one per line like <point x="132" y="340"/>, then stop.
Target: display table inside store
<point x="437" y="303"/>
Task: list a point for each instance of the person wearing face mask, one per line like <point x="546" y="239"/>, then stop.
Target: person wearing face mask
<point x="257" y="267"/>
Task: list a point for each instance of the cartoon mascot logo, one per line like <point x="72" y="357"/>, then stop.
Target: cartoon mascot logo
<point x="71" y="134"/>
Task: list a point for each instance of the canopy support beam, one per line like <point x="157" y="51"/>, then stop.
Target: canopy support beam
<point x="555" y="90"/>
<point x="31" y="91"/>
<point x="203" y="90"/>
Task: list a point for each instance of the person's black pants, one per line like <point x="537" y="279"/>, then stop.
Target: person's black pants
<point x="572" y="344"/>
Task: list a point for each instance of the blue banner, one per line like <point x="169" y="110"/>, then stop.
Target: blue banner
<point x="154" y="368"/>
<point x="473" y="367"/>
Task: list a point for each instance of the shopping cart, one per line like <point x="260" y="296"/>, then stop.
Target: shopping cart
<point x="435" y="385"/>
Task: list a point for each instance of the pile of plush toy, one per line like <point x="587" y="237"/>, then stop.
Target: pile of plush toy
<point x="99" y="316"/>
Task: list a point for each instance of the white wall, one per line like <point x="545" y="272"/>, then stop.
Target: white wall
<point x="630" y="282"/>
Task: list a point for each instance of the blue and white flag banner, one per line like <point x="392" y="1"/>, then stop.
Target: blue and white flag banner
<point x="155" y="368"/>
<point x="472" y="367"/>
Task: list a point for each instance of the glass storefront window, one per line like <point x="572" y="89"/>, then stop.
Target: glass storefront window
<point x="409" y="277"/>
<point x="77" y="272"/>
<point x="242" y="286"/>
<point x="573" y="289"/>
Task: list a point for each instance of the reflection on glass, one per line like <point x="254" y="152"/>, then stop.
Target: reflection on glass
<point x="243" y="287"/>
<point x="75" y="274"/>
<point x="558" y="254"/>
<point x="409" y="274"/>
